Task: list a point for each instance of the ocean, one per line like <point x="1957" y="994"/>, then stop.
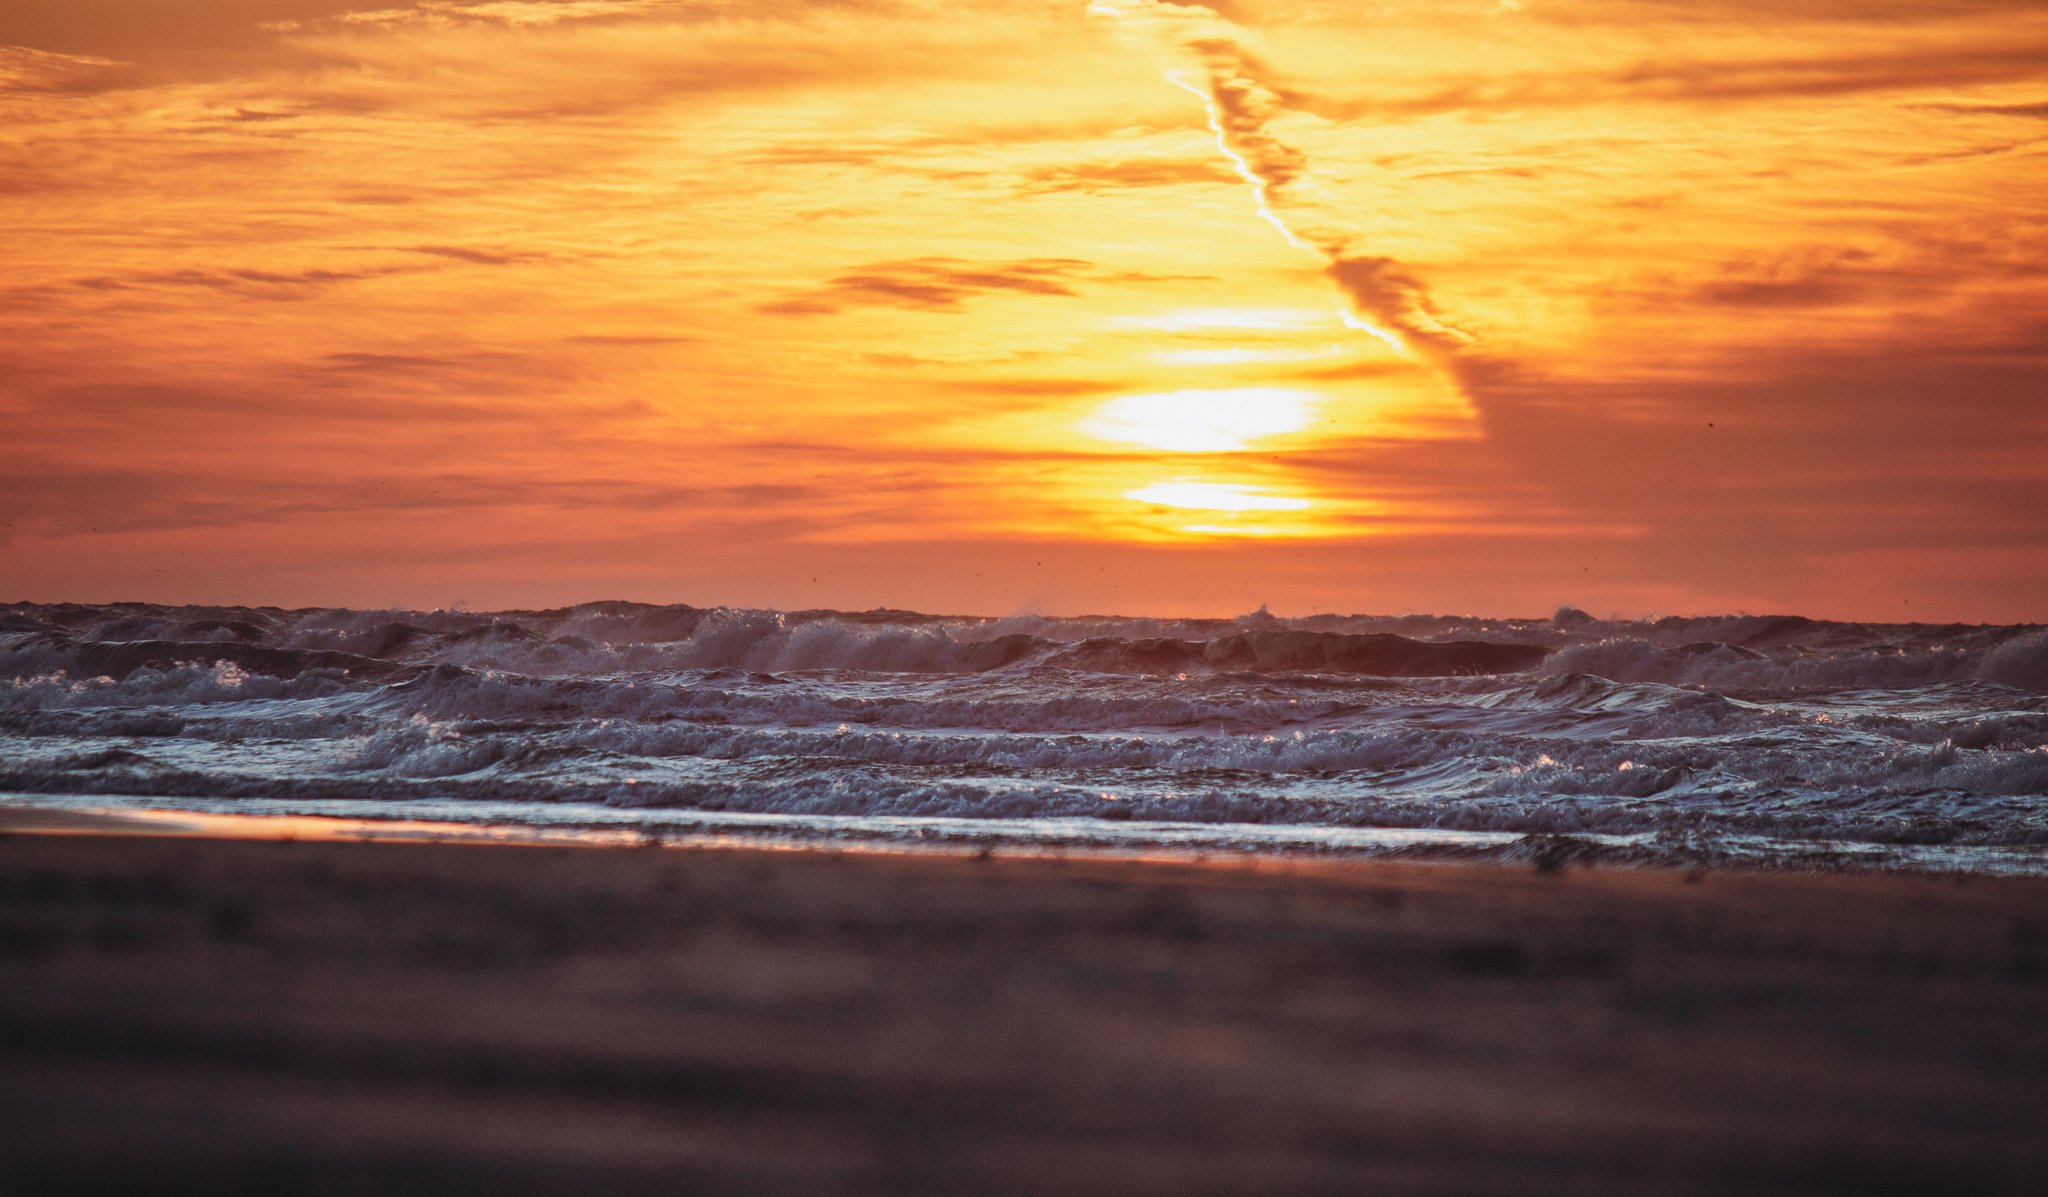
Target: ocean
<point x="1699" y="742"/>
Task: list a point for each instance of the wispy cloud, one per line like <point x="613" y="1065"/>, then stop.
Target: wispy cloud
<point x="264" y="284"/>
<point x="24" y="69"/>
<point x="1123" y="174"/>
<point x="1385" y="296"/>
<point x="935" y="284"/>
<point x="478" y="255"/>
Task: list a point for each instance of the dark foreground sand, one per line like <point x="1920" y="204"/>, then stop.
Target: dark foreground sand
<point x="199" y="1015"/>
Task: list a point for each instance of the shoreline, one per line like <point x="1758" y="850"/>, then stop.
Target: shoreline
<point x="1545" y="852"/>
<point x="251" y="1015"/>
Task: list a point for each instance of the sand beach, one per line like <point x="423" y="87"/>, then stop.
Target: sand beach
<point x="214" y="1014"/>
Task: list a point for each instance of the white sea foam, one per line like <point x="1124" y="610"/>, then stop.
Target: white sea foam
<point x="1787" y="737"/>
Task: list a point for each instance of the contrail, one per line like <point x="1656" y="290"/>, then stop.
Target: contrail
<point x="1382" y="297"/>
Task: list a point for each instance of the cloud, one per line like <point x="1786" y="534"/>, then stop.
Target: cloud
<point x="99" y="413"/>
<point x="1797" y="448"/>
<point x="1728" y="78"/>
<point x="1121" y="174"/>
<point x="1385" y="297"/>
<point x="262" y="284"/>
<point x="481" y="257"/>
<point x="2034" y="111"/>
<point x="933" y="284"/>
<point x="629" y="339"/>
<point x="26" y="70"/>
<point x="941" y="284"/>
<point x="382" y="362"/>
<point x="614" y="58"/>
<point x="516" y="14"/>
<point x="1041" y="386"/>
<point x="97" y="500"/>
<point x="1391" y="295"/>
<point x="1866" y="272"/>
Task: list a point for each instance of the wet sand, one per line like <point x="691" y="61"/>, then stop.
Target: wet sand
<point x="216" y="1015"/>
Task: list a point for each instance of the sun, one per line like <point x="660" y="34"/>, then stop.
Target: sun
<point x="1202" y="421"/>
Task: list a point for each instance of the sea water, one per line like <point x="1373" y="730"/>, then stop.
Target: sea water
<point x="1762" y="741"/>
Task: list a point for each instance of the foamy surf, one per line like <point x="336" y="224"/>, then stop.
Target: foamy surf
<point x="1766" y="741"/>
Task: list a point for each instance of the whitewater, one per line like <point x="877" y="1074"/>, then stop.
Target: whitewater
<point x="1755" y="741"/>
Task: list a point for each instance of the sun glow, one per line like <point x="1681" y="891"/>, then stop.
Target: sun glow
<point x="1216" y="496"/>
<point x="1238" y="356"/>
<point x="1197" y="320"/>
<point x="1221" y="421"/>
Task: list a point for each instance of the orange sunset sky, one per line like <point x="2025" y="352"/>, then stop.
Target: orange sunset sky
<point x="1034" y="305"/>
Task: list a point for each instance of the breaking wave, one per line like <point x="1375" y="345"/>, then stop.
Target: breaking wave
<point x="1759" y="740"/>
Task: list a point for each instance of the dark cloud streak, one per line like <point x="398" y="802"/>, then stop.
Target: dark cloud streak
<point x="934" y="284"/>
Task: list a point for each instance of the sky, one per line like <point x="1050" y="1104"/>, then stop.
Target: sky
<point x="1039" y="306"/>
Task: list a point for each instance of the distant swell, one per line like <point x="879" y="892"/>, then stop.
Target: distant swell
<point x="1377" y="655"/>
<point x="690" y="639"/>
<point x="120" y="658"/>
